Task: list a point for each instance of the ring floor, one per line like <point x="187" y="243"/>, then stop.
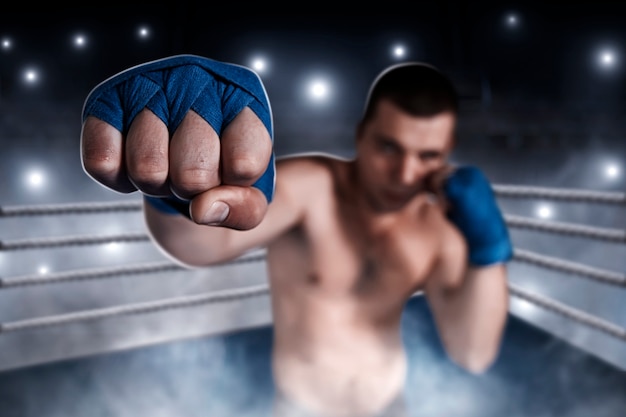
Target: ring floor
<point x="536" y="374"/>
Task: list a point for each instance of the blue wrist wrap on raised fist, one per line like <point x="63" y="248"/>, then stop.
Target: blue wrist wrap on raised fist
<point x="170" y="87"/>
<point x="169" y="205"/>
<point x="475" y="212"/>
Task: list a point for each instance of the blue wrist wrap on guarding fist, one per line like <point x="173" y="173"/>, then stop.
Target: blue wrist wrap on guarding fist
<point x="475" y="212"/>
<point x="170" y="87"/>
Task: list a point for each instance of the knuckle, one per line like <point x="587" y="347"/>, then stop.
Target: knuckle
<point x="195" y="180"/>
<point x="101" y="162"/>
<point x="149" y="168"/>
<point x="243" y="169"/>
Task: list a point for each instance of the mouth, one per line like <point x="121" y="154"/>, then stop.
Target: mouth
<point x="397" y="198"/>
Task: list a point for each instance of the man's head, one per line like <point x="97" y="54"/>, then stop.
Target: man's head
<point x="406" y="133"/>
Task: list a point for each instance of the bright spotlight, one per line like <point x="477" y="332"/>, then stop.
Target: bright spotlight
<point x="112" y="246"/>
<point x="35" y="179"/>
<point x="512" y="20"/>
<point x="31" y="76"/>
<point x="544" y="212"/>
<point x="612" y="171"/>
<point x="318" y="89"/>
<point x="525" y="308"/>
<point x="606" y="58"/>
<point x="259" y="64"/>
<point x="6" y="43"/>
<point x="43" y="270"/>
<point x="80" y="41"/>
<point x="143" y="32"/>
<point x="399" y="51"/>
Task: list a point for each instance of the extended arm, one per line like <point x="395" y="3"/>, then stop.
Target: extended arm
<point x="198" y="245"/>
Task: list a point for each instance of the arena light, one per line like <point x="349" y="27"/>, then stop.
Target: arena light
<point x="80" y="41"/>
<point x="113" y="247"/>
<point x="319" y="90"/>
<point x="143" y="32"/>
<point x="31" y="76"/>
<point x="512" y="20"/>
<point x="544" y="211"/>
<point x="525" y="308"/>
<point x="612" y="171"/>
<point x="399" y="51"/>
<point x="6" y="44"/>
<point x="606" y="58"/>
<point x="259" y="64"/>
<point x="43" y="270"/>
<point x="34" y="179"/>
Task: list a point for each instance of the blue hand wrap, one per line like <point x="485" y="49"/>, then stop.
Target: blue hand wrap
<point x="170" y="87"/>
<point x="475" y="212"/>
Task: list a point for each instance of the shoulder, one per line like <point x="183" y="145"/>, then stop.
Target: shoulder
<point x="305" y="181"/>
<point x="309" y="160"/>
<point x="308" y="169"/>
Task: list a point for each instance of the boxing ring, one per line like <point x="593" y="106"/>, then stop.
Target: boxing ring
<point x="221" y="367"/>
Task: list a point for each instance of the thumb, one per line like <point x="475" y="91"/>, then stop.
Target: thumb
<point x="232" y="206"/>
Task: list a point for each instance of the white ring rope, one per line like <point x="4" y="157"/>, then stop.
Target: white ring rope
<point x="601" y="275"/>
<point x="136" y="308"/>
<point x="55" y="242"/>
<point x="108" y="272"/>
<point x="611" y="235"/>
<point x="263" y="289"/>
<point x="229" y="295"/>
<point x="89" y="274"/>
<point x="70" y="208"/>
<point x="606" y="234"/>
<point x="566" y="194"/>
<point x="570" y="312"/>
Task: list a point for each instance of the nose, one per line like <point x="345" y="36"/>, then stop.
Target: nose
<point x="410" y="170"/>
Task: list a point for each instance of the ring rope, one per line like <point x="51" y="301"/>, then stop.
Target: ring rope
<point x="570" y="312"/>
<point x="263" y="289"/>
<point x="109" y="272"/>
<point x="567" y="194"/>
<point x="612" y="235"/>
<point x="602" y="275"/>
<point x="591" y="196"/>
<point x="89" y="274"/>
<point x="55" y="242"/>
<point x="70" y="208"/>
<point x="136" y="308"/>
<point x="514" y="221"/>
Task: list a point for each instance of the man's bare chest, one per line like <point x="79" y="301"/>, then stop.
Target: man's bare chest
<point x="338" y="254"/>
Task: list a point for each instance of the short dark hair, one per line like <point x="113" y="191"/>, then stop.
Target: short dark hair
<point x="419" y="89"/>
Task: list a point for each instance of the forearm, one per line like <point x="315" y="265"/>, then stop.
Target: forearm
<point x="186" y="241"/>
<point x="473" y="316"/>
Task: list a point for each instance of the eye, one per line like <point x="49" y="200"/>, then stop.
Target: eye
<point x="430" y="156"/>
<point x="387" y="147"/>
